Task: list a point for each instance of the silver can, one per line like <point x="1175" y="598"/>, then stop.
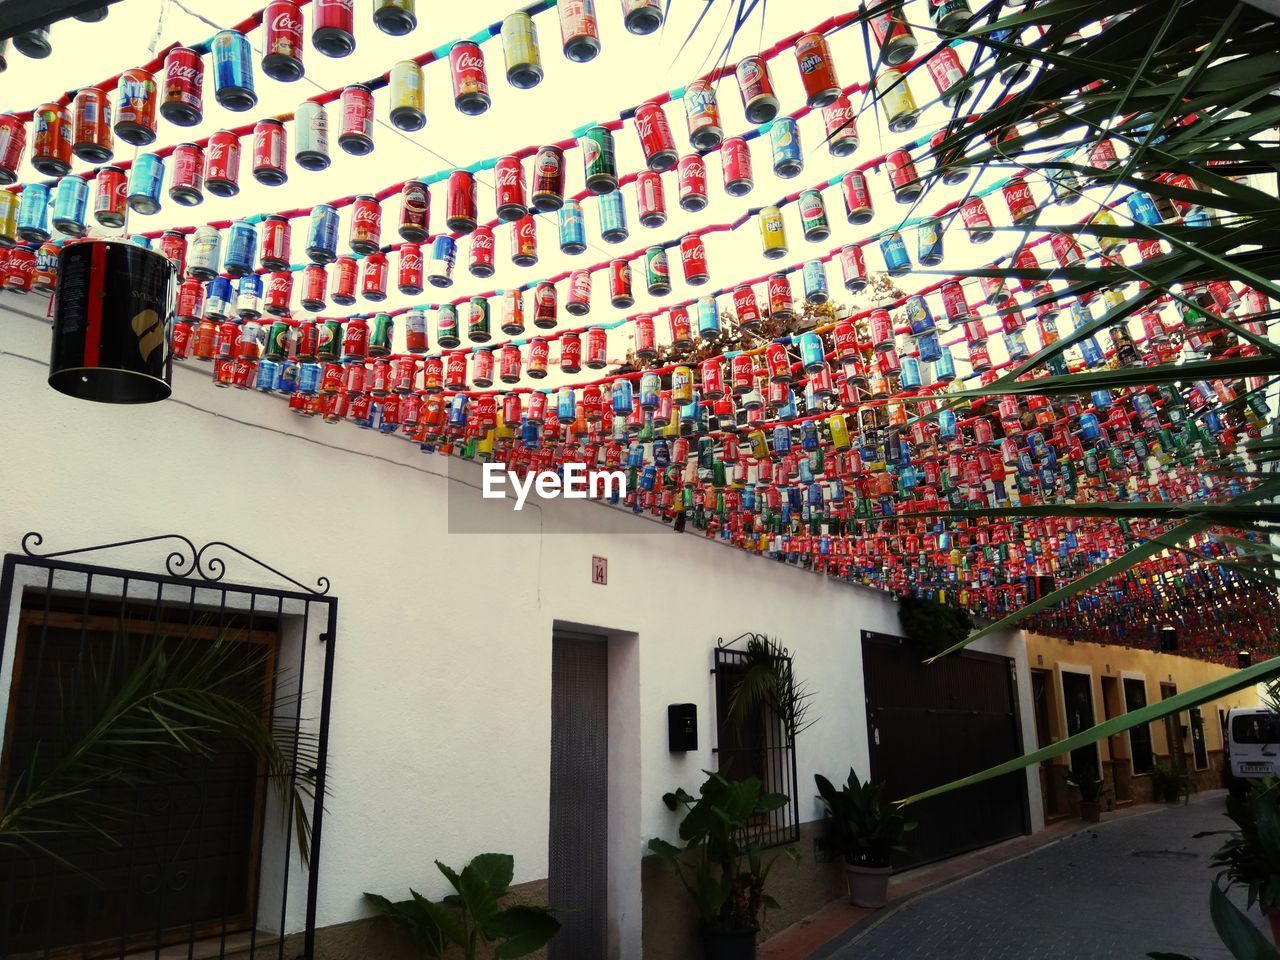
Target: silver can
<point x="311" y="136"/>
<point x="204" y="255"/>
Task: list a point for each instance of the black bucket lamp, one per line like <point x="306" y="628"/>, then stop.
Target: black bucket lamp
<point x="112" y="323"/>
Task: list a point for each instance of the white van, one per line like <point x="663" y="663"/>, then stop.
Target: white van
<point x="1253" y="747"/>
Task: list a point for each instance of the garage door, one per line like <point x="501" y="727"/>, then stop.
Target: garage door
<point x="931" y="724"/>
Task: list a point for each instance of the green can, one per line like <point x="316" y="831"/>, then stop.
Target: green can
<point x="706" y="453"/>
<point x="381" y="330"/>
<point x="813" y="216"/>
<point x="478" y="330"/>
<point x="277" y="341"/>
<point x="599" y="160"/>
<point x="329" y="341"/>
<point x="657" y="271"/>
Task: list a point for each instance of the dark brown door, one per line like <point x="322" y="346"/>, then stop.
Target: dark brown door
<point x="1077" y="698"/>
<point x="1173" y="730"/>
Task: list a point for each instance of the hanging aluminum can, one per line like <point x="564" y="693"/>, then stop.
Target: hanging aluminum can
<point x="186" y="182"/>
<point x="407" y="97"/>
<point x="950" y="16"/>
<point x="70" y="203"/>
<point x="929" y="238"/>
<point x="642" y="17"/>
<point x="470" y="83"/>
<point x="1021" y="204"/>
<point x="814" y="275"/>
<point x="381" y="335"/>
<point x="895" y="96"/>
<point x="853" y="268"/>
<point x="314" y="288"/>
<point x="478" y="322"/>
<point x="894" y="251"/>
<point x="395" y="17"/>
<point x="190" y="300"/>
<point x="596" y="351"/>
<point x="13" y="140"/>
<point x="51" y="139"/>
<point x="646" y="341"/>
<point x="415" y="209"/>
<point x="857" y="198"/>
<point x="136" y="108"/>
<point x="838" y="120"/>
<point x="745" y="308"/>
<point x="333" y="27"/>
<point x="249" y="296"/>
<point x="613" y="217"/>
<point x="520" y="50"/>
<point x="233" y="71"/>
<point x="322" y="234"/>
<point x="599" y="161"/>
<point x="813" y="216"/>
<point x="657" y="271"/>
<point x="620" y="295"/>
<point x="481" y="257"/>
<point x="548" y="179"/>
<point x="578" y="301"/>
<point x="508" y="185"/>
<point x="447" y="332"/>
<point x="311" y="136"/>
<point x="903" y="177"/>
<point x="817" y="70"/>
<point x="693" y="257"/>
<point x="976" y="220"/>
<point x="217" y="305"/>
<point x="222" y="164"/>
<point x="282" y="41"/>
<point x="758" y="97"/>
<point x="784" y="142"/>
<point x="461" y="211"/>
<point x="275" y="243"/>
<point x="242" y="248"/>
<point x="513" y="312"/>
<point x="415" y="333"/>
<point x="650" y="199"/>
<point x="952" y="173"/>
<point x="524" y="241"/>
<point x="735" y="156"/>
<point x="19" y="275"/>
<point x="702" y="113"/>
<point x="356" y="136"/>
<point x="174" y="246"/>
<point x="482" y="369"/>
<point x="269" y="152"/>
<point x="373" y="277"/>
<point x="579" y="30"/>
<point x="545" y="305"/>
<point x="954" y="303"/>
<point x="773" y="233"/>
<point x="8" y="218"/>
<point x="1066" y="250"/>
<point x="204" y="258"/>
<point x="355" y="344"/>
<point x="708" y="319"/>
<point x="444" y="254"/>
<point x="897" y="42"/>
<point x="91" y="138"/>
<point x="693" y="183"/>
<point x="145" y="179"/>
<point x="948" y="73"/>
<point x="182" y="99"/>
<point x="573" y="228"/>
<point x="570" y="353"/>
<point x="365" y="233"/>
<point x="656" y="140"/>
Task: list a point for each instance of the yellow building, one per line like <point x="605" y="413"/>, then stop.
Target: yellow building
<point x="1075" y="685"/>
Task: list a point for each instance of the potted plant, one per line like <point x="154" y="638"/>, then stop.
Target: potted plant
<point x="867" y="830"/>
<point x="1251" y="855"/>
<point x="1169" y="784"/>
<point x="722" y="864"/>
<point x="1090" y="787"/>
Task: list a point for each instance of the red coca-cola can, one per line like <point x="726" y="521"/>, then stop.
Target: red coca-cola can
<point x="481" y="255"/>
<point x="645" y="336"/>
<point x="570" y="353"/>
<point x="509" y="365"/>
<point x="508" y="188"/>
<point x="409" y="275"/>
<point x="524" y="242"/>
<point x="314" y="283"/>
<point x="51" y="139"/>
<point x="269" y="152"/>
<point x="365" y="234"/>
<point x="548" y="179"/>
<point x="482" y="369"/>
<point x="346" y="272"/>
<point x="455" y="370"/>
<point x="432" y="374"/>
<point x="620" y="293"/>
<point x="91" y="138"/>
<point x="817" y="70"/>
<point x="651" y="199"/>
<point x="853" y="268"/>
<point x="13" y="140"/>
<point x="109" y="203"/>
<point x="1018" y="198"/>
<point x="282" y="41"/>
<point x="973" y="212"/>
<point x="857" y="198"/>
<point x="880" y="324"/>
<point x="183" y="338"/>
<point x="470" y="83"/>
<point x="545" y="305"/>
<point x="1150" y="249"/>
<point x="954" y="303"/>
<point x="539" y="354"/>
<point x="275" y="243"/>
<point x="840" y="124"/>
<point x="182" y="99"/>
<point x="333" y="27"/>
<point x="735" y="156"/>
<point x="19" y="273"/>
<point x="681" y="327"/>
<point x="745" y="307"/>
<point x="190" y="300"/>
<point x="415" y="210"/>
<point x="596" y="352"/>
<point x="1026" y="260"/>
<point x="356" y="136"/>
<point x="1066" y="250"/>
<point x="333" y="378"/>
<point x="903" y="177"/>
<point x="656" y="139"/>
<point x="693" y="257"/>
<point x="222" y="164"/>
<point x="186" y="179"/>
<point x="777" y="365"/>
<point x="404" y="377"/>
<point x="844" y="342"/>
<point x="373" y="277"/>
<point x="781" y="301"/>
<point x="460" y="210"/>
<point x="692" y="173"/>
<point x="278" y="292"/>
<point x="174" y="246"/>
<point x="742" y="374"/>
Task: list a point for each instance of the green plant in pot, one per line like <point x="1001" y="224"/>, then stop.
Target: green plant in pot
<point x="868" y="830"/>
<point x="722" y="864"/>
<point x="1250" y="857"/>
<point x="1090" y="787"/>
<point x="1170" y="784"/>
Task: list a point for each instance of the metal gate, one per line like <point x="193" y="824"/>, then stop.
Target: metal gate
<point x="931" y="724"/>
<point x="208" y="848"/>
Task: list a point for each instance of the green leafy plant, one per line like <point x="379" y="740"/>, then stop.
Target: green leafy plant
<point x="1170" y="783"/>
<point x="470" y="918"/>
<point x="932" y="626"/>
<point x="1235" y="929"/>
<point x="722" y="865"/>
<point x="861" y="823"/>
<point x="1087" y="782"/>
<point x="768" y="679"/>
<point x="1250" y="857"/>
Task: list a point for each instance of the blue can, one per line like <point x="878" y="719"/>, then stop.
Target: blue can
<point x="1198" y="217"/>
<point x="613" y="217"/>
<point x="947" y="425"/>
<point x="217" y="299"/>
<point x="308" y="378"/>
<point x="929" y="347"/>
<point x="1089" y="428"/>
<point x="233" y="71"/>
<point x="809" y="439"/>
<point x="894" y="251"/>
<point x="33" y="213"/>
<point x="708" y="318"/>
<point x="1143" y="209"/>
<point x="1015" y="344"/>
<point x="322" y="234"/>
<point x="573" y="228"/>
<point x="1101" y="399"/>
<point x="635" y="455"/>
<point x="249" y="296"/>
<point x="919" y="316"/>
<point x="458" y="410"/>
<point x="622" y="397"/>
<point x="242" y="248"/>
<point x="287" y="373"/>
<point x="385" y="426"/>
<point x="70" y="201"/>
<point x="138" y="241"/>
<point x="650" y="391"/>
<point x="910" y="373"/>
<point x="1092" y="353"/>
<point x="648" y="477"/>
<point x="815" y="282"/>
<point x="145" y="179"/>
<point x="944" y="368"/>
<point x="929" y="235"/>
<point x="784" y="139"/>
<point x="781" y="439"/>
<point x="812" y="356"/>
<point x="788" y="410"/>
<point x="566" y="405"/>
<point x="266" y="378"/>
<point x="444" y="255"/>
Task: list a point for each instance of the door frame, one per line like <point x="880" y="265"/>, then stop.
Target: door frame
<point x="1093" y="708"/>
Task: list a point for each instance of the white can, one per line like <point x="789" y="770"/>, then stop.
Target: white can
<point x="311" y="136"/>
<point x="204" y="255"/>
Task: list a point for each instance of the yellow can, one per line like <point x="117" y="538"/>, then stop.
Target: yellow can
<point x="1105" y="218"/>
<point x="520" y="50"/>
<point x="839" y="431"/>
<point x="895" y="96"/>
<point x="8" y="218"/>
<point x="484" y="447"/>
<point x="407" y="96"/>
<point x="773" y="233"/>
<point x="759" y="445"/>
<point x="682" y="385"/>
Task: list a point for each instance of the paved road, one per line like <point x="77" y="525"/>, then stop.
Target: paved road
<point x="1113" y="893"/>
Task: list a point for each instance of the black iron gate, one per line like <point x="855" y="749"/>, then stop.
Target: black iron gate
<point x="931" y="724"/>
<point x="114" y="842"/>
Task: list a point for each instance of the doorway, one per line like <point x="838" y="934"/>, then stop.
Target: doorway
<point x="578" y="835"/>
<point x="1042" y="701"/>
<point x="1198" y="749"/>
<point x="1173" y="730"/>
<point x="1077" y="702"/>
<point x="1117" y="744"/>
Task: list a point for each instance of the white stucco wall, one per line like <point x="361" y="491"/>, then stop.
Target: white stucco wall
<point x="441" y="708"/>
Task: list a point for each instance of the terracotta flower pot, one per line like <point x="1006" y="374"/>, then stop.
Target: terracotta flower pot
<point x="868" y="886"/>
<point x="1091" y="811"/>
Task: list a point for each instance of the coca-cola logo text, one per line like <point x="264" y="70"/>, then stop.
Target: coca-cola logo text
<point x="285" y="23"/>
